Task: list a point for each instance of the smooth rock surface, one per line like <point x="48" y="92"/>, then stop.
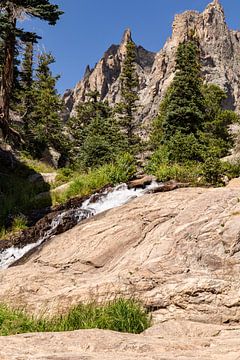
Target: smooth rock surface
<point x="179" y="252"/>
<point x="168" y="341"/>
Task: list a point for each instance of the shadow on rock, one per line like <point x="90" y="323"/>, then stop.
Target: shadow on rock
<point x="18" y="193"/>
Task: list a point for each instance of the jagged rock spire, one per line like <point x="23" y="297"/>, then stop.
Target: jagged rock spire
<point x="216" y="4"/>
<point x="127" y="36"/>
<point x="87" y="72"/>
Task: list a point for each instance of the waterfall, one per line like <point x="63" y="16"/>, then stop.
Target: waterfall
<point x="109" y="199"/>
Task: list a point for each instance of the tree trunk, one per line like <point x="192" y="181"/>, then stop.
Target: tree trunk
<point x="7" y="79"/>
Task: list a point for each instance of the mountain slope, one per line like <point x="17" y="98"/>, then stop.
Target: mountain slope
<point x="220" y="54"/>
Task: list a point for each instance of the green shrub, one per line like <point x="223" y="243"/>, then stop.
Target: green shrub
<point x="184" y="147"/>
<point x="180" y="172"/>
<point x="119" y="315"/>
<point x="19" y="223"/>
<point x="123" y="169"/>
<point x="212" y="170"/>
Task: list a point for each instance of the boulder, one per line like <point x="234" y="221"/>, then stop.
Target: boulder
<point x="141" y="183"/>
<point x="234" y="183"/>
<point x="49" y="178"/>
<point x="51" y="157"/>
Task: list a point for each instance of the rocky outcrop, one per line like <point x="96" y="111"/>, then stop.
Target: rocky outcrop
<point x="171" y="340"/>
<point x="179" y="252"/>
<point x="105" y="77"/>
<point x="220" y="51"/>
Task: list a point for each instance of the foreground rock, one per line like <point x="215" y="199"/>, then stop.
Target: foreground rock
<point x="172" y="340"/>
<point x="179" y="252"/>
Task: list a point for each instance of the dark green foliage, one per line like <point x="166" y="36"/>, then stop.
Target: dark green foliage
<point x="97" y="136"/>
<point x="212" y="170"/>
<point x="41" y="9"/>
<point x="44" y="123"/>
<point x="217" y="120"/>
<point x="10" y="12"/>
<point x="27" y="67"/>
<point x="192" y="126"/>
<point x="184" y="110"/>
<point x="102" y="143"/>
<point x="129" y="92"/>
<point x="183" y="147"/>
<point x="119" y="315"/>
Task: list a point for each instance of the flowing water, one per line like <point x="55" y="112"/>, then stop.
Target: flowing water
<point x="107" y="200"/>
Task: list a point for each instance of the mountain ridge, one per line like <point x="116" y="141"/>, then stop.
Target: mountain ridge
<point x="218" y="44"/>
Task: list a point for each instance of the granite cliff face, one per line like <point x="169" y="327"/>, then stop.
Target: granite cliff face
<point x="105" y="77"/>
<point x="220" y="54"/>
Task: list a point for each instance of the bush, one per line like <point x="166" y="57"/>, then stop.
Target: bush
<point x="123" y="169"/>
<point x="179" y="172"/>
<point x="184" y="147"/>
<point x="212" y="170"/>
<point x="119" y="315"/>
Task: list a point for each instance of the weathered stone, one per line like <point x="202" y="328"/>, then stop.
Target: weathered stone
<point x="141" y="183"/>
<point x="51" y="157"/>
<point x="220" y="51"/>
<point x="177" y="251"/>
<point x="49" y="178"/>
<point x="234" y="183"/>
<point x="171" y="340"/>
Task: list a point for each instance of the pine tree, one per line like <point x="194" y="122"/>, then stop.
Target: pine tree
<point x="24" y="91"/>
<point x="96" y="135"/>
<point x="129" y="92"/>
<point x="184" y="109"/>
<point x="27" y="66"/>
<point x="10" y="12"/>
<point x="192" y="125"/>
<point x="44" y="123"/>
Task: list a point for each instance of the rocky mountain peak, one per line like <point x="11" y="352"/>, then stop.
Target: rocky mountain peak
<point x="220" y="52"/>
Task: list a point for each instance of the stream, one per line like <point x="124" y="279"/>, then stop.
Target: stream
<point x="96" y="204"/>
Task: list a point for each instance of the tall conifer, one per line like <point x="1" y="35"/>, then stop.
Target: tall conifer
<point x="129" y="91"/>
<point x="184" y="109"/>
<point x="10" y="12"/>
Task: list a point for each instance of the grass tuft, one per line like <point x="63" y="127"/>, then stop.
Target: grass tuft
<point x="119" y="315"/>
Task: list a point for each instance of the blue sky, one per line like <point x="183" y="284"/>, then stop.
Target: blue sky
<point x="89" y="27"/>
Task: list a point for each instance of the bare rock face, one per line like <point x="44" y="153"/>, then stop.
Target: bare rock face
<point x="169" y="341"/>
<point x="105" y="76"/>
<point x="220" y="51"/>
<point x="179" y="252"/>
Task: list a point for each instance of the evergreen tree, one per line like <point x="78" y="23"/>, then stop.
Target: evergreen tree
<point x="96" y="135"/>
<point x="129" y="92"/>
<point x="24" y="91"/>
<point x="10" y="12"/>
<point x="184" y="110"/>
<point x="27" y="66"/>
<point x="215" y="133"/>
<point x="103" y="141"/>
<point x="192" y="125"/>
<point x="44" y="123"/>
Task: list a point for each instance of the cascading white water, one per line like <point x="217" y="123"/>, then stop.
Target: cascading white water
<point x="106" y="201"/>
<point x="118" y="196"/>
